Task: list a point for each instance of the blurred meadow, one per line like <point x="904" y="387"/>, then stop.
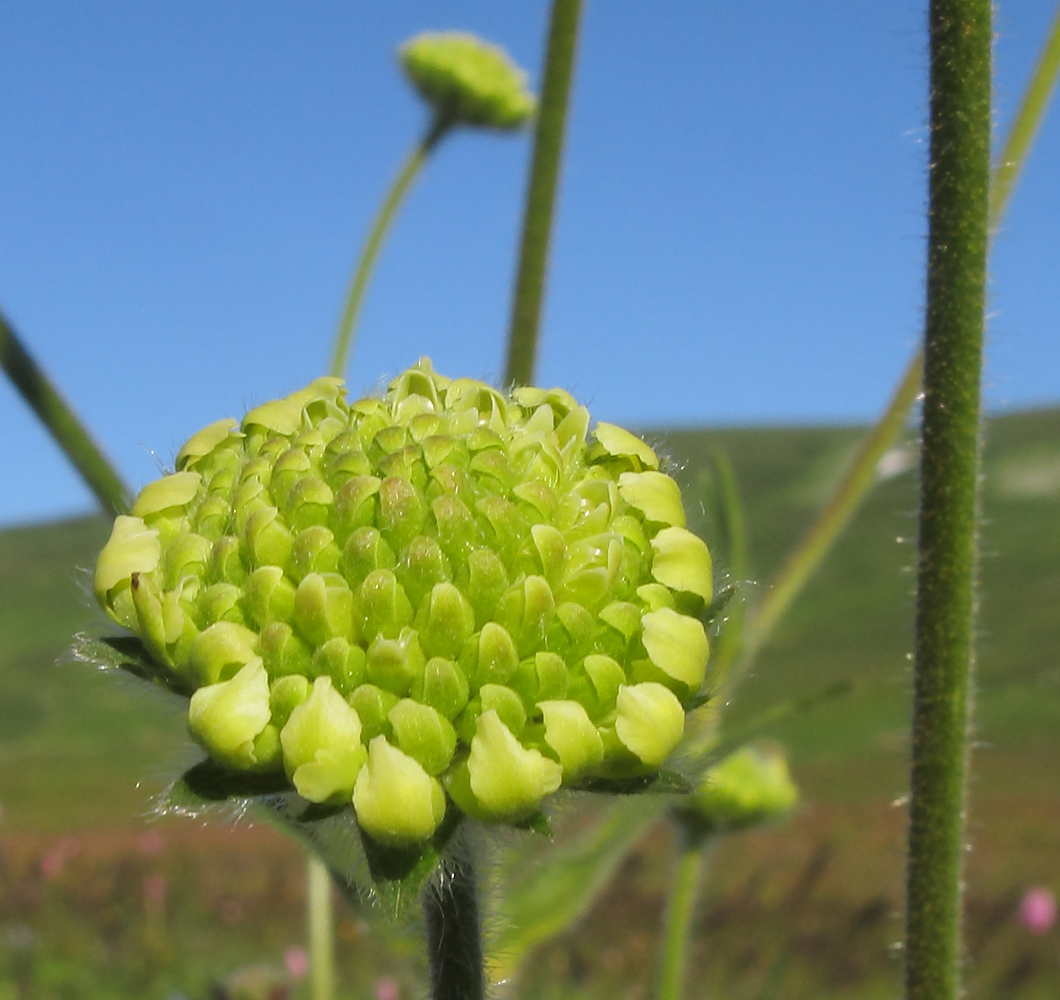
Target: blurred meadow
<point x="98" y="898"/>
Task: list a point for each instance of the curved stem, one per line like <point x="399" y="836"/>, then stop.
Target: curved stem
<point x="98" y="473"/>
<point x="680" y="911"/>
<point x="376" y="235"/>
<point x="857" y="482"/>
<point x="321" y="940"/>
<point x="959" y="183"/>
<point x="1025" y="127"/>
<point x="541" y="192"/>
<point x="454" y="931"/>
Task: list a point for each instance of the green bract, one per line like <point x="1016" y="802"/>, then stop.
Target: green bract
<point x="467" y="81"/>
<point x="442" y="592"/>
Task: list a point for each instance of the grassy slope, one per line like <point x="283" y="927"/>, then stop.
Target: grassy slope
<point x="72" y="746"/>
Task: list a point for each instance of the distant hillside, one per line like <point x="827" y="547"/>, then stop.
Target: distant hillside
<point x="73" y="745"/>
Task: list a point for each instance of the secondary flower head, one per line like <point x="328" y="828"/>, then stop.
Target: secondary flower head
<point x="467" y="81"/>
<point x="752" y="785"/>
<point x="442" y="594"/>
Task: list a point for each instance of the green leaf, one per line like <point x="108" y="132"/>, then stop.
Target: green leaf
<point x="128" y="653"/>
<point x="207" y="784"/>
<point x="538" y="902"/>
<point x="399" y="873"/>
<point x="659" y="783"/>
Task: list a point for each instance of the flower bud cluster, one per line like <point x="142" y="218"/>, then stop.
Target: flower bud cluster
<point x="468" y="81"/>
<point x="445" y="592"/>
<point x="750" y="786"/>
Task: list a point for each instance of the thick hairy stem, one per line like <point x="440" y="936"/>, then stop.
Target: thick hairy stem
<point x="61" y="422"/>
<point x="400" y="187"/>
<point x="454" y="931"/>
<point x="541" y="192"/>
<point x="959" y="183"/>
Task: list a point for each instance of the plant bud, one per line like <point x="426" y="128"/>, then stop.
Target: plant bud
<point x="227" y="717"/>
<point x="751" y="786"/>
<point x="397" y="801"/>
<point x="467" y="81"/>
<point x="445" y="586"/>
<point x="322" y="749"/>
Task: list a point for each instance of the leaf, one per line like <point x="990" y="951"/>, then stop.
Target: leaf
<point x="128" y="653"/>
<point x="659" y="783"/>
<point x="538" y="902"/>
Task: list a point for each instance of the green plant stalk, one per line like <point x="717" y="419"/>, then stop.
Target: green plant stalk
<point x="1025" y="126"/>
<point x="859" y="479"/>
<point x="61" y="422"/>
<point x="321" y="941"/>
<point x="381" y="225"/>
<point x="680" y="911"/>
<point x="454" y="931"/>
<point x="541" y="192"/>
<point x="959" y="186"/>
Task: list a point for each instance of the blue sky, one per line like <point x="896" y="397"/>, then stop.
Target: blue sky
<point x="184" y="188"/>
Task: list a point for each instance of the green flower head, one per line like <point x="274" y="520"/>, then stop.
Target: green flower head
<point x="467" y="81"/>
<point x="448" y="592"/>
<point x="751" y="786"/>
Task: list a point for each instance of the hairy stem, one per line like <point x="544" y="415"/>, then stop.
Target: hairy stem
<point x="959" y="182"/>
<point x="541" y="192"/>
<point x="98" y="473"/>
<point x="321" y="941"/>
<point x="384" y="219"/>
<point x="680" y="911"/>
<point x="454" y="931"/>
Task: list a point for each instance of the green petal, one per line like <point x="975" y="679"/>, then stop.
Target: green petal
<point x="654" y="494"/>
<point x="132" y="548"/>
<point x="322" y="751"/>
<point x="202" y="443"/>
<point x="176" y="490"/>
<point x="508" y="780"/>
<point x="227" y="717"/>
<point x="677" y="645"/>
<point x="571" y="733"/>
<point x="650" y="721"/>
<point x="682" y="562"/>
<point x="397" y="801"/>
<point x="619" y="442"/>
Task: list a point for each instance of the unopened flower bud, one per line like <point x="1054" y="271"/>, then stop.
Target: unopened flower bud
<point x="752" y="785"/>
<point x="227" y="717"/>
<point x="445" y="586"/>
<point x="467" y="80"/>
<point x="322" y="749"/>
<point x="396" y="800"/>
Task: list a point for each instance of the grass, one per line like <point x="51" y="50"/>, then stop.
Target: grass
<point x="806" y="910"/>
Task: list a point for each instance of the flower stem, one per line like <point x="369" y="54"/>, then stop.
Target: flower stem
<point x="454" y="931"/>
<point x="541" y="192"/>
<point x="859" y="479"/>
<point x="959" y="186"/>
<point x="400" y="187"/>
<point x="61" y="422"/>
<point x="680" y="910"/>
<point x="321" y="941"/>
